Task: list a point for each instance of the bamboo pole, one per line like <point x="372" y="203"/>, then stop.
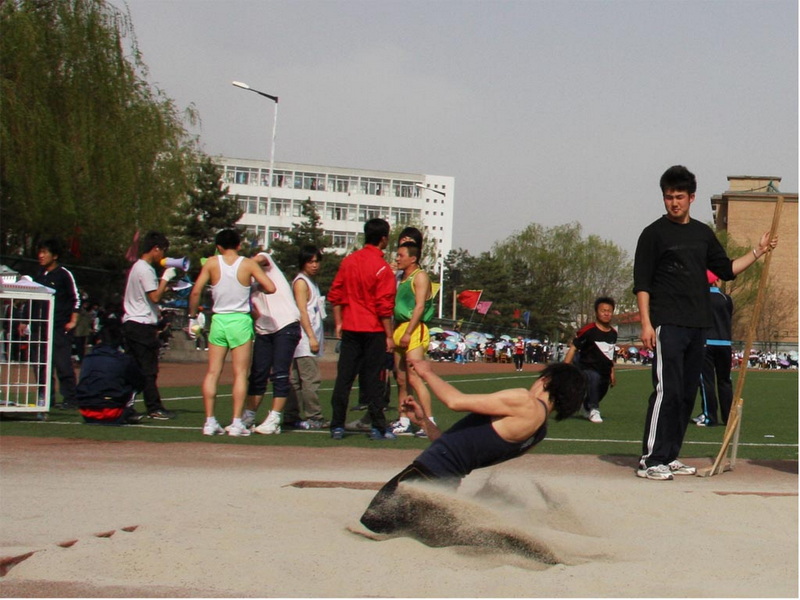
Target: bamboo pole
<point x="735" y="416"/>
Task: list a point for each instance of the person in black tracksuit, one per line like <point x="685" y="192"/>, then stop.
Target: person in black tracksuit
<point x="67" y="304"/>
<point x="669" y="273"/>
<point x="715" y="377"/>
<point x="499" y="427"/>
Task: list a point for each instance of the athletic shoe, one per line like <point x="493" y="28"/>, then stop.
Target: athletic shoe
<point x="317" y="423"/>
<point x="676" y="467"/>
<point x="272" y="424"/>
<point x="699" y="418"/>
<point x="656" y="473"/>
<point x="397" y="428"/>
<point x="706" y="422"/>
<point x="420" y="433"/>
<point x="162" y="414"/>
<point x="376" y="435"/>
<point x="594" y="416"/>
<point x="360" y="407"/>
<point x="249" y="420"/>
<point x="358" y="425"/>
<point x="135" y="418"/>
<point x="237" y="430"/>
<point x="213" y="429"/>
<point x="337" y="433"/>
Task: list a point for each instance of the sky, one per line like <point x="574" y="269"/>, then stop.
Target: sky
<point x="544" y="111"/>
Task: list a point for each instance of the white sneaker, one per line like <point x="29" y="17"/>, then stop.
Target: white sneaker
<point x="272" y="424"/>
<point x="237" y="430"/>
<point x="676" y="467"/>
<point x="594" y="416"/>
<point x="397" y="427"/>
<point x="213" y="429"/>
<point x="657" y="473"/>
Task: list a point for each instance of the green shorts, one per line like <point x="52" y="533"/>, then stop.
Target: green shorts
<point x="231" y="330"/>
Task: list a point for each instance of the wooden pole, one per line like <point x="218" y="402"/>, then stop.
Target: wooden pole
<point x="734" y="418"/>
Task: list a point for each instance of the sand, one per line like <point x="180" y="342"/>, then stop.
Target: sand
<point x="83" y="518"/>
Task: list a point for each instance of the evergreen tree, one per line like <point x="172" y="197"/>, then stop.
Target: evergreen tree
<point x="206" y="210"/>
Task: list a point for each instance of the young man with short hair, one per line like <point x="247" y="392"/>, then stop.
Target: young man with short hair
<point x="143" y="292"/>
<point x="413" y="307"/>
<point x="230" y="276"/>
<point x="67" y="304"/>
<point x="669" y="280"/>
<point x="500" y="426"/>
<point x="362" y="295"/>
<point x="593" y="352"/>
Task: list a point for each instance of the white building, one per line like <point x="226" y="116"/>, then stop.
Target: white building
<point x="344" y="198"/>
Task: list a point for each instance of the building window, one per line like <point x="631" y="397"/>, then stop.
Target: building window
<point x="374" y="187"/>
<point x="405" y="189"/>
<point x="336" y="212"/>
<point x="282" y="179"/>
<point x="365" y="213"/>
<point x="248" y="204"/>
<point x="280" y="207"/>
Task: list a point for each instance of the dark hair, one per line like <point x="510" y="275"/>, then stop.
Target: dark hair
<point x="374" y="231"/>
<point x="111" y="334"/>
<point x="228" y="239"/>
<point x="566" y="386"/>
<point x="412" y="232"/>
<point x="153" y="239"/>
<point x="52" y="245"/>
<point x="413" y="249"/>
<point x="604" y="300"/>
<point x="678" y="179"/>
<point x="306" y="254"/>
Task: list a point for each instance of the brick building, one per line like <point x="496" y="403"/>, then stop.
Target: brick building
<point x="745" y="211"/>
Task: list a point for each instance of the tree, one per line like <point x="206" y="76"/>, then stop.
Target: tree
<point x="307" y="232"/>
<point x="206" y="210"/>
<point x="86" y="144"/>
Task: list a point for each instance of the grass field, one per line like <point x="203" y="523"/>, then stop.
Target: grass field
<point x="769" y="426"/>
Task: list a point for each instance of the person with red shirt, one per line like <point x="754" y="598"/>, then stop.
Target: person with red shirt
<point x="362" y="295"/>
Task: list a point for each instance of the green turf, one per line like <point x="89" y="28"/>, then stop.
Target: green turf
<point x="769" y="427"/>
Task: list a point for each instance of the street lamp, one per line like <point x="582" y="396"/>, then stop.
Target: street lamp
<point x="274" y="99"/>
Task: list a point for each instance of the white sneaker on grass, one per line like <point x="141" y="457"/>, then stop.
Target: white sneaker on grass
<point x="676" y="467"/>
<point x="271" y="425"/>
<point x="213" y="429"/>
<point x="594" y="416"/>
<point x="237" y="430"/>
<point x="656" y="473"/>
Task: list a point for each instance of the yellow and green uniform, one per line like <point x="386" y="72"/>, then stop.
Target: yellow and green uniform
<point x="404" y="304"/>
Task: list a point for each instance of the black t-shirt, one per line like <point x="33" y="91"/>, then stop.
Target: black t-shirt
<point x="670" y="264"/>
<point x="596" y="348"/>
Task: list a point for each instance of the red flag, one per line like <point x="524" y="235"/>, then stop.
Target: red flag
<point x="484" y="306"/>
<point x="469" y="298"/>
<point x="133" y="250"/>
<point x="516" y="313"/>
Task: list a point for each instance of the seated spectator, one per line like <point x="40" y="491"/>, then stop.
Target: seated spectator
<point x="109" y="381"/>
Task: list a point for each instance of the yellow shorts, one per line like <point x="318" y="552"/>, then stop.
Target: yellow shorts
<point x="421" y="337"/>
<point x="231" y="330"/>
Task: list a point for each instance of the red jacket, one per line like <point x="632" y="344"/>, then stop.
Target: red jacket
<point x="364" y="287"/>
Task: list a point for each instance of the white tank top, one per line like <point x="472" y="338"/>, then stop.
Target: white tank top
<point x="230" y="296"/>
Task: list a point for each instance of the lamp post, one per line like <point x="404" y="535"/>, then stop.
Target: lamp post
<point x="274" y="99"/>
<point x="440" y="259"/>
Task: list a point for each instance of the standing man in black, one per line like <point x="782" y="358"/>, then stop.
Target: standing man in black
<point x="67" y="304"/>
<point x="669" y="280"/>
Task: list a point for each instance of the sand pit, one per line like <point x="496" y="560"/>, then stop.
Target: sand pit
<point x="145" y="520"/>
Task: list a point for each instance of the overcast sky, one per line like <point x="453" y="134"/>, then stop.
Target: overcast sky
<point x="548" y="111"/>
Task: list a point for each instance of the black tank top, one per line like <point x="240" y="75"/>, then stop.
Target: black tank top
<point x="473" y="443"/>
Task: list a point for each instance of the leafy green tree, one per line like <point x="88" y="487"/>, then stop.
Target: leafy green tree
<point x="206" y="209"/>
<point x="86" y="144"/>
<point x="307" y="232"/>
